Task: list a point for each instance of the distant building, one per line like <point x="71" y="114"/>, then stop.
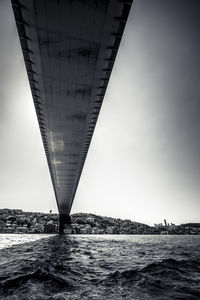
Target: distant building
<point x="8" y="230"/>
<point x="164" y="232"/>
<point x="18" y="211"/>
<point x="95" y="230"/>
<point x="21" y="229"/>
<point x="68" y="230"/>
<point x="8" y="224"/>
<point x="90" y="220"/>
<point x="83" y="231"/>
<point x="109" y="229"/>
<point x="88" y="229"/>
<point x="2" y="225"/>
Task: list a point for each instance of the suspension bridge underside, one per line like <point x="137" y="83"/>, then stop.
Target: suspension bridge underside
<point x="69" y="48"/>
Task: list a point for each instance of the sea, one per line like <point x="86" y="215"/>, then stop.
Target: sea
<point x="135" y="267"/>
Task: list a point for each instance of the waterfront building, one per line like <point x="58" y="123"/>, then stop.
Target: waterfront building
<point x="95" y="230"/>
<point x="109" y="229"/>
<point x="68" y="230"/>
<point x="21" y="229"/>
<point x="83" y="231"/>
<point x="88" y="229"/>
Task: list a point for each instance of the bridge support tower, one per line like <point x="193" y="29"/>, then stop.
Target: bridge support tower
<point x="64" y="223"/>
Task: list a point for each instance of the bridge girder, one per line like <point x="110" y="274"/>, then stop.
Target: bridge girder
<point x="69" y="49"/>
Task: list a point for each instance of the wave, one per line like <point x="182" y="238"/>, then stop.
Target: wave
<point x="26" y="273"/>
<point x="178" y="279"/>
<point x="76" y="268"/>
<point x="162" y="268"/>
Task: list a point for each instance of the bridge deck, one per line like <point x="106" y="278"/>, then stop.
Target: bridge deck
<point x="69" y="49"/>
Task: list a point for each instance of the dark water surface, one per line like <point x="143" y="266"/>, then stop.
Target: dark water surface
<point x="99" y="267"/>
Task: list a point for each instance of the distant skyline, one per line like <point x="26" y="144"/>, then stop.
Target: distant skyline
<point x="144" y="160"/>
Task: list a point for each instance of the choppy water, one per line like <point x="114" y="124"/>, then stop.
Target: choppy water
<point x="99" y="267"/>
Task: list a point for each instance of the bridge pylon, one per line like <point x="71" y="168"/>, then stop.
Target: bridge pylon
<point x="64" y="223"/>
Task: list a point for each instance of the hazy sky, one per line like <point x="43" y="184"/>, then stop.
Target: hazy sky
<point x="144" y="160"/>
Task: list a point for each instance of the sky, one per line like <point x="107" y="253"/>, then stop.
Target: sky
<point x="144" y="160"/>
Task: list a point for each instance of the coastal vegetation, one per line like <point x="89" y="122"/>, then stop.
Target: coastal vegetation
<point x="18" y="221"/>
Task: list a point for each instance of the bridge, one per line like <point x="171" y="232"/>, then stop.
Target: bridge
<point x="69" y="49"/>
